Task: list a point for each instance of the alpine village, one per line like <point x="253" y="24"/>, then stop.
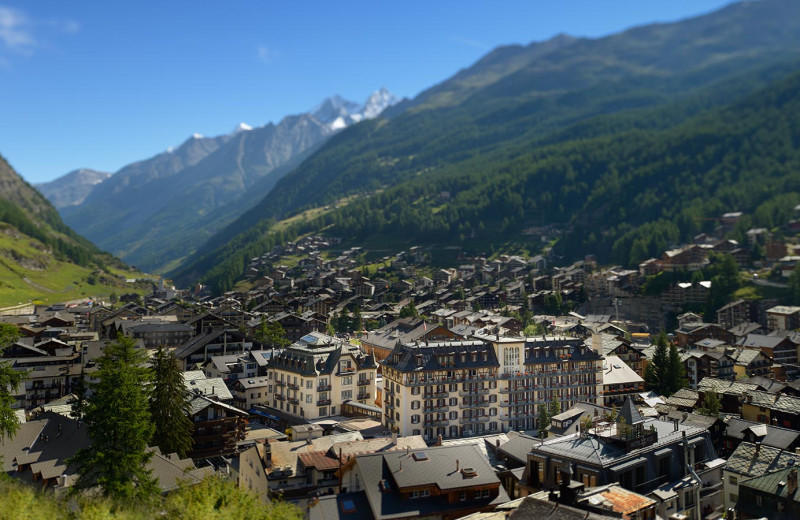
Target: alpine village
<point x="561" y="284"/>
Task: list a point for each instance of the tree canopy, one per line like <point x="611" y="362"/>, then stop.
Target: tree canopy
<point x="9" y="380"/>
<point x="169" y="406"/>
<point x="119" y="424"/>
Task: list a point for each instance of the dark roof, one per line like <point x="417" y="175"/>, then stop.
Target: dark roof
<point x="347" y="505"/>
<point x="776" y="437"/>
<point x="775" y="484"/>
<point x="751" y="460"/>
<point x="318" y="353"/>
<point x="438" y="467"/>
<point x="518" y="447"/>
<point x="629" y="412"/>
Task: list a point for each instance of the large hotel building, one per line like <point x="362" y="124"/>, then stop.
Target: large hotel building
<point x="488" y="384"/>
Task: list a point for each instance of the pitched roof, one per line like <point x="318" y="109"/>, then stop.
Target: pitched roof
<point x="751" y="460"/>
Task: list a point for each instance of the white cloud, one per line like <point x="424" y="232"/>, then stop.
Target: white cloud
<point x="15" y="30"/>
<point x="22" y="34"/>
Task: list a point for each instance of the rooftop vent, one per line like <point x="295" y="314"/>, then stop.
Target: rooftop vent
<point x="469" y="472"/>
<point x="420" y="455"/>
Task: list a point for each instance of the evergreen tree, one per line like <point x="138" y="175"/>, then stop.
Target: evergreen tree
<point x="676" y="372"/>
<point x="794" y="287"/>
<point x="651" y="377"/>
<point x="661" y="362"/>
<point x="9" y="380"/>
<point x="78" y="408"/>
<point x="169" y="406"/>
<point x="544" y="420"/>
<point x="358" y="322"/>
<point x="119" y="426"/>
<point x="555" y="407"/>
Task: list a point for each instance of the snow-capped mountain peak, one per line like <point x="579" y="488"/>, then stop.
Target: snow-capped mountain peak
<point x="377" y="102"/>
<point x="242" y="127"/>
<point x="339" y="113"/>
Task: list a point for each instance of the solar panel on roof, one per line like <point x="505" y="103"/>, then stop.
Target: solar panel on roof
<point x="420" y="455"/>
<point x="348" y="506"/>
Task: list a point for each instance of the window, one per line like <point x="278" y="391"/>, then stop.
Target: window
<point x="323" y="411"/>
<point x="347" y="394"/>
<point x="453" y="387"/>
<point x="309" y="384"/>
<point x="733" y="480"/>
<point x="492" y="425"/>
<point x="415" y="419"/>
<point x="492" y="384"/>
<point x="308" y="398"/>
<point x="453" y="401"/>
<point x="415" y="405"/>
<point x="493" y="398"/>
<point x="453" y="415"/>
<point x="463" y="496"/>
<point x="416" y="431"/>
<point x="492" y="411"/>
<point x="347" y="380"/>
<point x="415" y="390"/>
<point x="485" y="493"/>
<point x="734" y="497"/>
<point x="477" y="494"/>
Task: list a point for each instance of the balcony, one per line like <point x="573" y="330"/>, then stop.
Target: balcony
<point x="279" y="397"/>
<point x="479" y="391"/>
<point x="346" y="371"/>
<point x="389" y="405"/>
<point x="436" y="423"/>
<point x="364" y="382"/>
<point x="478" y="404"/>
<point x="474" y="420"/>
<point x="362" y="395"/>
<point x="293" y="386"/>
<point x="323" y="402"/>
<point x="324" y="388"/>
<point x="437" y="408"/>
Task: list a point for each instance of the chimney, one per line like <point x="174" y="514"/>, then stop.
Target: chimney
<point x="791" y="482"/>
<point x="458" y="463"/>
<point x="394" y="438"/>
<point x="597" y="342"/>
<point x="439" y="440"/>
<point x="758" y="447"/>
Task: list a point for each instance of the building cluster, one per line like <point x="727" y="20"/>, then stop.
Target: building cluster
<point x="500" y="388"/>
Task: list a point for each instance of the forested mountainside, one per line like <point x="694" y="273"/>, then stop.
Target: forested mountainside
<point x="623" y="187"/>
<point x="487" y="158"/>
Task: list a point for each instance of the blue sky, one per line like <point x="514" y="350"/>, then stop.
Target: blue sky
<point x="102" y="84"/>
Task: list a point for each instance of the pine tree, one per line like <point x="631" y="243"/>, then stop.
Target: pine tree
<point x="676" y="372"/>
<point x="555" y="407"/>
<point x="78" y="408"/>
<point x="544" y="420"/>
<point x="169" y="406"/>
<point x="651" y="377"/>
<point x="9" y="380"/>
<point x="661" y="362"/>
<point x="119" y="426"/>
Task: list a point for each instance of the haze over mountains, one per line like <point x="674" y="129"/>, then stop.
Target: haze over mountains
<point x="473" y="161"/>
<point x="157" y="210"/>
<point x="623" y="144"/>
